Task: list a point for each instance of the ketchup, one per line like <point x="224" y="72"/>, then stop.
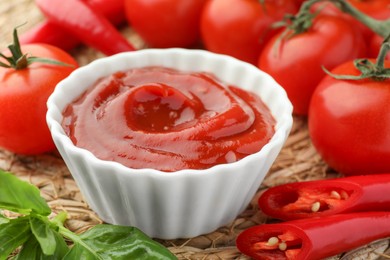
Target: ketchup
<point x="165" y="119"/>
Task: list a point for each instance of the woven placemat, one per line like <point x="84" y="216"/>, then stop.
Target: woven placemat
<point x="298" y="161"/>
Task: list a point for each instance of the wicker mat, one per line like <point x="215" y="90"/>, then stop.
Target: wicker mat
<point x="297" y="161"/>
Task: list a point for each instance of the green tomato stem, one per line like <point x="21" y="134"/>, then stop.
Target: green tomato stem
<point x="385" y="47"/>
<point x="300" y="22"/>
<point x="368" y="69"/>
<point x="380" y="27"/>
<point x="18" y="60"/>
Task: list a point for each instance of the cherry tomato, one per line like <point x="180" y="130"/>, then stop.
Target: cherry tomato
<point x="23" y="96"/>
<point x="299" y="2"/>
<point x="330" y="8"/>
<point x="349" y="122"/>
<point x="165" y="23"/>
<point x="240" y="28"/>
<point x="296" y="62"/>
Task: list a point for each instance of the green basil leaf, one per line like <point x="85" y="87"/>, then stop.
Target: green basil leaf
<point x="80" y="252"/>
<point x="20" y="196"/>
<point x="45" y="235"/>
<point x="3" y="219"/>
<point x="116" y="242"/>
<point x="32" y="250"/>
<point x="13" y="234"/>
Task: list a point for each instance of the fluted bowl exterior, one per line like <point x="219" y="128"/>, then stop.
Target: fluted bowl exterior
<point x="170" y="205"/>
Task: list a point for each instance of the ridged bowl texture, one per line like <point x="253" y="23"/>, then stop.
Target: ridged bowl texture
<point x="181" y="204"/>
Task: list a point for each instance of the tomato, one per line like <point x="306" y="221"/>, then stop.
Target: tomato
<point x="299" y="2"/>
<point x="330" y="8"/>
<point x="240" y="28"/>
<point x="165" y="23"/>
<point x="296" y="62"/>
<point x="349" y="122"/>
<point x="23" y="96"/>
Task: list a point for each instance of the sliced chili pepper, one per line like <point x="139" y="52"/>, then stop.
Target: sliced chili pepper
<point x="327" y="197"/>
<point x="49" y="33"/>
<point x="314" y="238"/>
<point x="91" y="27"/>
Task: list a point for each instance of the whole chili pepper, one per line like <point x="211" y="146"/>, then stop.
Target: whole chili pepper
<point x="47" y="32"/>
<point x="327" y="197"/>
<point x="92" y="28"/>
<point x="113" y="10"/>
<point x="314" y="238"/>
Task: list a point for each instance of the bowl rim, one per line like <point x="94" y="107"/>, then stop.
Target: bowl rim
<point x="282" y="127"/>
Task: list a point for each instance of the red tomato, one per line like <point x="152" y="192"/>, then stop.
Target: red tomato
<point x="23" y="96"/>
<point x="296" y="63"/>
<point x="349" y="122"/>
<point x="165" y="23"/>
<point x="299" y="2"/>
<point x="240" y="28"/>
<point x="375" y="46"/>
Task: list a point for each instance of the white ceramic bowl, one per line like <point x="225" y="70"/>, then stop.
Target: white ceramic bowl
<point x="180" y="204"/>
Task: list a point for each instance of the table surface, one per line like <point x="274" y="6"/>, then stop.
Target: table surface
<point x="298" y="161"/>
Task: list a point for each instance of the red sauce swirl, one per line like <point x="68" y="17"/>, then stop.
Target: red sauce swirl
<point x="165" y="119"/>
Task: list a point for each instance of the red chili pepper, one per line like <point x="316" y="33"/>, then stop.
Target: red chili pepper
<point x="314" y="238"/>
<point x="327" y="197"/>
<point x="92" y="28"/>
<point x="113" y="10"/>
<point x="49" y="33"/>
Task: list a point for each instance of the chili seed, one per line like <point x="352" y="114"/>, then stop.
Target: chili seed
<point x="282" y="246"/>
<point x="273" y="241"/>
<point x="335" y="195"/>
<point x="315" y="206"/>
<point x="344" y="195"/>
